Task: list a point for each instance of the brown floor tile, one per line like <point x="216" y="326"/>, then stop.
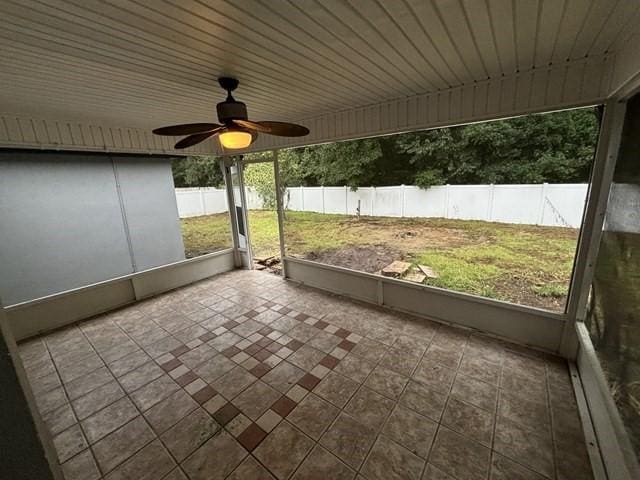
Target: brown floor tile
<point x="349" y="440"/>
<point x="251" y="437"/>
<point x="294" y="345"/>
<point x="170" y="365"/>
<point x="309" y="381"/>
<point x="252" y="349"/>
<point x="283" y="450"/>
<point x="458" y="456"/>
<point x="216" y="459"/>
<point x="189" y="433"/>
<point x="283" y="406"/>
<point x="250" y="469"/>
<point x="342" y="333"/>
<point x="231" y="351"/>
<point x="260" y="370"/>
<point x="390" y="461"/>
<point x="302" y="317"/>
<point x="225" y="414"/>
<point x="329" y="361"/>
<point x="186" y="379"/>
<point x="204" y="394"/>
<point x="319" y="463"/>
<point x="346" y="345"/>
<point x="411" y="430"/>
<point x="176" y="352"/>
<point x="313" y="415"/>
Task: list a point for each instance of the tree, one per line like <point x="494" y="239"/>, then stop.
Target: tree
<point x="197" y="171"/>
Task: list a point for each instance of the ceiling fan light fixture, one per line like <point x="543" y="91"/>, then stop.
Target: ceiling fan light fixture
<point x="234" y="139"/>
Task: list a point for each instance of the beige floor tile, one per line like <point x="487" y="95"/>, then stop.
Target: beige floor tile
<point x="434" y="473"/>
<point x="87" y="383"/>
<point x="458" y="456"/>
<point x="387" y="382"/>
<point x="108" y="419"/>
<point x="411" y="430"/>
<point x="475" y="392"/>
<point x="525" y="446"/>
<point x="150" y="463"/>
<point x="233" y="382"/>
<point x="336" y="389"/>
<point x="283" y="450"/>
<point x="306" y="358"/>
<point x="504" y="469"/>
<point x="390" y="461"/>
<point x="370" y="349"/>
<point x="519" y="409"/>
<point x="355" y="367"/>
<point x="154" y="392"/>
<point x="140" y="376"/>
<point x="480" y="369"/>
<point x="250" y="469"/>
<point x="349" y="440"/>
<point x="256" y="399"/>
<point x="369" y="408"/>
<point x="189" y="433"/>
<point x="116" y="447"/>
<point x="283" y="376"/>
<point x="69" y="443"/>
<point x="97" y="399"/>
<point x="313" y="415"/>
<point x="170" y="411"/>
<point x="435" y="376"/>
<point x="424" y="400"/>
<point x="216" y="459"/>
<point x="320" y="465"/>
<point x="400" y="361"/>
<point x="81" y="467"/>
<point x="469" y="420"/>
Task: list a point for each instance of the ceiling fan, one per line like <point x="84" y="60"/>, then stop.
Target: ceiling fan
<point x="236" y="130"/>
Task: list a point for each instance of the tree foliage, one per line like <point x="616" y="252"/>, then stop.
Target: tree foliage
<point x="197" y="171"/>
<point x="555" y="147"/>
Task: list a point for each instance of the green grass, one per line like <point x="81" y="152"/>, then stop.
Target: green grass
<point x="518" y="263"/>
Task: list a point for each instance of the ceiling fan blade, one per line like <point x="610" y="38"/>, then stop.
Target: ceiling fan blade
<point x="194" y="139"/>
<point x="252" y="126"/>
<point x="284" y="129"/>
<point x="186" y="129"/>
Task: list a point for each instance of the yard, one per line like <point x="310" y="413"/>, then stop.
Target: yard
<point x="522" y="264"/>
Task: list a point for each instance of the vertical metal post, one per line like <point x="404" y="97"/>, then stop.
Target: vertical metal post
<point x="280" y="210"/>
<point x="231" y="204"/>
<point x="592" y="222"/>
<point x="245" y="210"/>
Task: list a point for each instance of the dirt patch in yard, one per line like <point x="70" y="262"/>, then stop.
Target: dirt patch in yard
<point x="521" y="291"/>
<point x="369" y="258"/>
<point x="411" y="237"/>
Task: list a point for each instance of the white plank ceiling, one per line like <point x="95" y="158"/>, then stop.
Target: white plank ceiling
<point x="145" y="63"/>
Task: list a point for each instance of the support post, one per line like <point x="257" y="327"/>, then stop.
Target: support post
<point x="280" y="210"/>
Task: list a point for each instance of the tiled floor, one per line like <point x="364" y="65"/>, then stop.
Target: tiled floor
<point x="246" y="376"/>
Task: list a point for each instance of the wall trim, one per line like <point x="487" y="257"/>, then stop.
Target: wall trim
<point x="525" y="325"/>
<point x="34" y="317"/>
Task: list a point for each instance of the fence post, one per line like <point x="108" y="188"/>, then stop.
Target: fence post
<point x="302" y="198"/>
<point x="322" y="192"/>
<point x="402" y="200"/>
<point x="446" y="201"/>
<point x="346" y="200"/>
<point x="543" y="196"/>
<point x="373" y="202"/>
<point x="490" y="206"/>
<point x="201" y="193"/>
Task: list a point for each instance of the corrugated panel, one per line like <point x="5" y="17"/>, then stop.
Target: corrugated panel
<point x="138" y="65"/>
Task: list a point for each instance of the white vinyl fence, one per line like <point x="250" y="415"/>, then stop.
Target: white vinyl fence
<point x="542" y="204"/>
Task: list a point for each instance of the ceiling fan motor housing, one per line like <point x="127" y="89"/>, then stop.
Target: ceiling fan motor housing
<point x="231" y="110"/>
